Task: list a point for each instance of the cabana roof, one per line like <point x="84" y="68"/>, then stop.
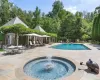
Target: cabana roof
<point x="15" y="20"/>
<point x="45" y="36"/>
<point x="33" y="34"/>
<point x="38" y="28"/>
<point x="37" y="35"/>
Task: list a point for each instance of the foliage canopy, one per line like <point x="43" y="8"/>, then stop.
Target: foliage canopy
<point x="21" y="29"/>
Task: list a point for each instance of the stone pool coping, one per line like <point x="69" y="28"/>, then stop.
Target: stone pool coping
<point x="20" y="75"/>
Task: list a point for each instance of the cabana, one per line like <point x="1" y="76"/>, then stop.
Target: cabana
<point x="15" y="20"/>
<point x="10" y="37"/>
<point x="38" y="28"/>
<point x="46" y="39"/>
<point x="34" y="38"/>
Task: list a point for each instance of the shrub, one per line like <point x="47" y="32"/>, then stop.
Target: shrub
<point x="85" y="37"/>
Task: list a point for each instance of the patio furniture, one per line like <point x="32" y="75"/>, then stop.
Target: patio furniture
<point x="98" y="48"/>
<point x="6" y="49"/>
<point x="34" y="42"/>
<point x="37" y="43"/>
<point x="31" y="44"/>
<point x="41" y="44"/>
<point x="14" y="49"/>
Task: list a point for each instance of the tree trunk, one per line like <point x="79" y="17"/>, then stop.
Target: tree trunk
<point x="17" y="39"/>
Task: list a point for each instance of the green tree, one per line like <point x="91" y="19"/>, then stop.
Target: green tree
<point x="86" y="29"/>
<point x="66" y="30"/>
<point x="96" y="25"/>
<point x="71" y="28"/>
<point x="50" y="25"/>
<point x="56" y="11"/>
<point x="36" y="17"/>
<point x="96" y="28"/>
<point x="29" y="18"/>
<point x="77" y="30"/>
<point x="79" y="14"/>
<point x="13" y="10"/>
<point x="57" y="7"/>
<point x="4" y="12"/>
<point x="98" y="9"/>
<point x="89" y="16"/>
<point x="62" y="14"/>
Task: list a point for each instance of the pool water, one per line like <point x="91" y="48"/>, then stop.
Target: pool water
<point x="71" y="47"/>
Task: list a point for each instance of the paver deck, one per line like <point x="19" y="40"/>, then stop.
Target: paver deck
<point x="9" y="64"/>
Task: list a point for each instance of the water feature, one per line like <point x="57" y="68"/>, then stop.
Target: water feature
<point x="49" y="65"/>
<point x="49" y="68"/>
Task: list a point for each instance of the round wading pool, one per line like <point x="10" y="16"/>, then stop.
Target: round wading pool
<point x="49" y="68"/>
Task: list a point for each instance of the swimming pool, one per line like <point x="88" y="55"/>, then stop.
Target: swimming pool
<point x="70" y="46"/>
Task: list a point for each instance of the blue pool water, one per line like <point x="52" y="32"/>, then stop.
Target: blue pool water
<point x="37" y="69"/>
<point x="71" y="47"/>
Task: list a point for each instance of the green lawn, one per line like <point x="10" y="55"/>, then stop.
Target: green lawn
<point x="1" y="50"/>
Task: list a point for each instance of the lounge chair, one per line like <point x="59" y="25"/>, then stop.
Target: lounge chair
<point x="37" y="43"/>
<point x="5" y="48"/>
<point x="41" y="44"/>
<point x="31" y="44"/>
<point x="34" y="42"/>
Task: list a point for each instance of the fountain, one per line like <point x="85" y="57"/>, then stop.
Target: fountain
<point x="49" y="68"/>
<point x="49" y="65"/>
